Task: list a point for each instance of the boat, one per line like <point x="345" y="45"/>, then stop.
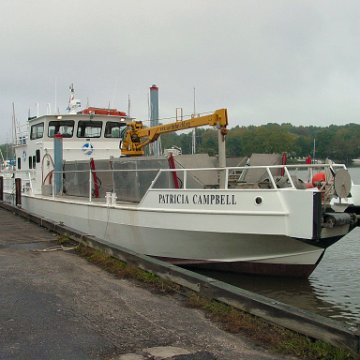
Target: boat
<point x="87" y="170"/>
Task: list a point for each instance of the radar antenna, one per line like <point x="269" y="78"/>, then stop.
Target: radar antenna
<point x="74" y="104"/>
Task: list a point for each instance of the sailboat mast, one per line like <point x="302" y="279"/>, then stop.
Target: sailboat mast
<point x="314" y="152"/>
<point x="13" y="129"/>
<point x="129" y="106"/>
<point x="193" y="137"/>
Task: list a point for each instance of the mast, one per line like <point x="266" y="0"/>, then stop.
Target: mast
<point x="129" y="106"/>
<point x="13" y="129"/>
<point x="193" y="135"/>
<point x="55" y="96"/>
<point x="314" y="152"/>
<point x="74" y="104"/>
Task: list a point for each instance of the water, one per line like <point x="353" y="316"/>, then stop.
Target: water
<point x="332" y="290"/>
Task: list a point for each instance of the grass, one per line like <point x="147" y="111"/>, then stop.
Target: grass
<point x="276" y="339"/>
<point x="125" y="271"/>
<point x="64" y="240"/>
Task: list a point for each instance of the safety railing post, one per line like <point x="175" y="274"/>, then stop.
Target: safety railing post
<point x="90" y="186"/>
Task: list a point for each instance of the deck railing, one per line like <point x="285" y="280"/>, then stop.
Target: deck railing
<point x="132" y="184"/>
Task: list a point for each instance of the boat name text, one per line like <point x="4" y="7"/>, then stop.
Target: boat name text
<point x="197" y="199"/>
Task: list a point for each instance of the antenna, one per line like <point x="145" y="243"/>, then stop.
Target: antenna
<point x="129" y="106"/>
<point x="193" y="137"/>
<point x="14" y="134"/>
<point x="314" y="152"/>
<point x="113" y="98"/>
<point x="194" y="100"/>
<point x="55" y="96"/>
<point x="74" y="104"/>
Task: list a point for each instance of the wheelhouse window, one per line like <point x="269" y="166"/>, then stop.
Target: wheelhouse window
<point x="63" y="127"/>
<point x="89" y="129"/>
<point x="112" y="129"/>
<point x="37" y="131"/>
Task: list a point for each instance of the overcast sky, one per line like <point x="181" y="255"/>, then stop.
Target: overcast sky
<point x="294" y="61"/>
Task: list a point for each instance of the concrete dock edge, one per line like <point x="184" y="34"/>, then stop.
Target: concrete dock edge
<point x="300" y="321"/>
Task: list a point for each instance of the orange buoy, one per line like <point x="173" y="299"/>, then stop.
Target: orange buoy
<point x="318" y="178"/>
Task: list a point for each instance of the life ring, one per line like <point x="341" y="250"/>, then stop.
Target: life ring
<point x="318" y="179"/>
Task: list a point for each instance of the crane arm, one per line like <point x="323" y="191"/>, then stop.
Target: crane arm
<point x="137" y="136"/>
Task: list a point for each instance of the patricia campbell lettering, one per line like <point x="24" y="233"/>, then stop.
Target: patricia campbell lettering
<point x="197" y="199"/>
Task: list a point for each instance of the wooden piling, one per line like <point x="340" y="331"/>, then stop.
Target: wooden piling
<point x="18" y="192"/>
<point x="1" y="188"/>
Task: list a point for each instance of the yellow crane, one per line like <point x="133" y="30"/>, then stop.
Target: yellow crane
<point x="136" y="136"/>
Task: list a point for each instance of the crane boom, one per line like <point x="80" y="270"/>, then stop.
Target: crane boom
<point x="137" y="136"/>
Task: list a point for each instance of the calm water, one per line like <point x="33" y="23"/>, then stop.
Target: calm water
<point x="333" y="289"/>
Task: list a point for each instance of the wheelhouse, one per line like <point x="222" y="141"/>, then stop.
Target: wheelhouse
<point x="85" y="135"/>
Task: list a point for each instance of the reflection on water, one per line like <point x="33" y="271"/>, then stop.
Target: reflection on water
<point x="333" y="289"/>
<point x="337" y="279"/>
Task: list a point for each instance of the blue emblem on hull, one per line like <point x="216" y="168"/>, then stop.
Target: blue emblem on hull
<point x="87" y="149"/>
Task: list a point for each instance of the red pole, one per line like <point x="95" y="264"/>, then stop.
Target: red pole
<point x="93" y="172"/>
<point x="173" y="173"/>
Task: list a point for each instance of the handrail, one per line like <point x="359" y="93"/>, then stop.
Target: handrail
<point x="272" y="179"/>
<point x="214" y="168"/>
<point x="190" y="178"/>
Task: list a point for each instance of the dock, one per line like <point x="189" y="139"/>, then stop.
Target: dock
<point x="56" y="305"/>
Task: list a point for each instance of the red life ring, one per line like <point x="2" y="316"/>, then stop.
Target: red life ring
<point x="318" y="178"/>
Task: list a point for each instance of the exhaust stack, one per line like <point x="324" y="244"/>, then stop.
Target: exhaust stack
<point x="155" y="148"/>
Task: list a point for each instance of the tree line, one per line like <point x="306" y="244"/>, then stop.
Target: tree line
<point x="339" y="143"/>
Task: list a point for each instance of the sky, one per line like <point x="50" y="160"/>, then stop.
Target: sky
<point x="279" y="61"/>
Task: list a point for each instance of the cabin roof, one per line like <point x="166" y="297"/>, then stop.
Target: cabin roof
<point x="77" y="117"/>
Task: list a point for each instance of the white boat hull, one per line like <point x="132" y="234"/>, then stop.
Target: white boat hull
<point x="146" y="232"/>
